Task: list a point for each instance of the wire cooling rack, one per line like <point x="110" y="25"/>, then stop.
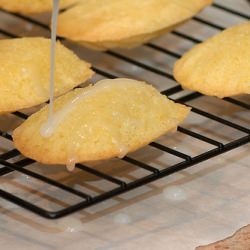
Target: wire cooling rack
<point x="224" y="125"/>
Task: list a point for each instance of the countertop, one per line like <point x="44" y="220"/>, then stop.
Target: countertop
<point x="196" y="206"/>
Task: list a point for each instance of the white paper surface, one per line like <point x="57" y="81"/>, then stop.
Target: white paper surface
<point x="205" y="203"/>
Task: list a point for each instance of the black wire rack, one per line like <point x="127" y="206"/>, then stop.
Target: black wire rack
<point x="10" y="163"/>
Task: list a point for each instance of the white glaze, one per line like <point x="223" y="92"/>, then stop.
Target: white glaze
<point x="48" y="129"/>
<point x="70" y="224"/>
<point x="71" y="164"/>
<point x="122" y="218"/>
<point x="52" y="57"/>
<point x="174" y="193"/>
<point x="123" y="149"/>
<point x="72" y="152"/>
<point x="73" y="147"/>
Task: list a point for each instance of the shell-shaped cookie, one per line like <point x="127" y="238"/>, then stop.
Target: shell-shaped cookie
<point x="103" y="24"/>
<point x="219" y="66"/>
<point x="25" y="70"/>
<point x="105" y="120"/>
<point x="33" y="6"/>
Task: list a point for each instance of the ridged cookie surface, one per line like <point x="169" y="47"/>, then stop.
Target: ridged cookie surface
<point x="108" y="119"/>
<point x="103" y="24"/>
<point x="219" y="66"/>
<point x="25" y="70"/>
<point x="32" y="6"/>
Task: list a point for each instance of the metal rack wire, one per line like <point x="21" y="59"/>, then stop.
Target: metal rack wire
<point x="120" y="186"/>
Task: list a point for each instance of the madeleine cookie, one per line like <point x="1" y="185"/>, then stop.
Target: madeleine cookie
<point x="25" y="69"/>
<point x="104" y="24"/>
<point x="33" y="6"/>
<point x="105" y="120"/>
<point x="218" y="66"/>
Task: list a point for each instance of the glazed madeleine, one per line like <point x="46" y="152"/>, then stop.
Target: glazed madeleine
<point x="108" y="119"/>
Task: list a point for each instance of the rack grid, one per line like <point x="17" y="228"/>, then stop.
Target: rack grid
<point x="85" y="199"/>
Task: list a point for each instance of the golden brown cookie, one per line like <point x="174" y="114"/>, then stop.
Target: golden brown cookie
<point x="32" y="6"/>
<point x="239" y="241"/>
<point x="219" y="66"/>
<point x="104" y="24"/>
<point x="108" y="119"/>
<point x="25" y="69"/>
